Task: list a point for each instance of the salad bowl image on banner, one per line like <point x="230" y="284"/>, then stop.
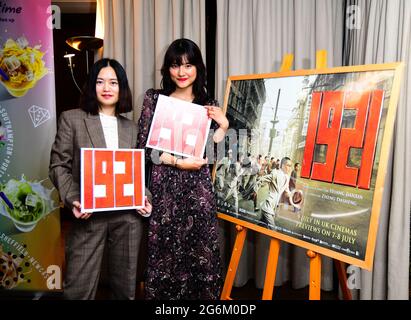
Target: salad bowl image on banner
<point x="21" y="66"/>
<point x="26" y="202"/>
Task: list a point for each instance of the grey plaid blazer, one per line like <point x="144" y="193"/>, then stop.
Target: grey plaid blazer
<point x="78" y="129"/>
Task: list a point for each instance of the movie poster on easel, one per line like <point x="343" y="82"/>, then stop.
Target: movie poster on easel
<point x="310" y="158"/>
<point x="30" y="247"/>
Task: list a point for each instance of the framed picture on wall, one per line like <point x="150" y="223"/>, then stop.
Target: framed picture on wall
<point x="309" y="158"/>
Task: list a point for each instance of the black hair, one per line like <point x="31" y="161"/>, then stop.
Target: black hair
<point x="284" y="160"/>
<point x="177" y="52"/>
<point x="88" y="98"/>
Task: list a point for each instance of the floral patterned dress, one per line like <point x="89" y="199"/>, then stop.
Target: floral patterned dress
<point x="183" y="248"/>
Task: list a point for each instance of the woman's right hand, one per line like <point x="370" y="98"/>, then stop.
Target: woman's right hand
<point x="191" y="163"/>
<point x="77" y="211"/>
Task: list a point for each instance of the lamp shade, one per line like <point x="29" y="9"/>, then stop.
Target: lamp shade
<point x="85" y="43"/>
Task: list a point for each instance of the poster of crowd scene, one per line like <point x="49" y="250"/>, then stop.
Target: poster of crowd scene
<point x="303" y="157"/>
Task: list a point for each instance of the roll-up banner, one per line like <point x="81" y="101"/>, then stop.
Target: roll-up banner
<point x="30" y="249"/>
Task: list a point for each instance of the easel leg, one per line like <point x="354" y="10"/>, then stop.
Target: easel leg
<point x="271" y="269"/>
<point x="315" y="275"/>
<point x="342" y="278"/>
<point x="235" y="259"/>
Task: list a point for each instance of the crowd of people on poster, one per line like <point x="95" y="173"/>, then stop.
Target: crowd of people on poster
<point x="241" y="179"/>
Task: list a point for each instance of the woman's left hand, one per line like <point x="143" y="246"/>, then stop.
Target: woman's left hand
<point x="146" y="211"/>
<point x="216" y="113"/>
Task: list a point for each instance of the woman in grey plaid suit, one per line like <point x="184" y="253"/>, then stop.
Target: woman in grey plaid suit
<point x="98" y="124"/>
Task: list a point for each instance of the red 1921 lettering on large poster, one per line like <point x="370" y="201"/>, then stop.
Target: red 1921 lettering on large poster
<point x="325" y="128"/>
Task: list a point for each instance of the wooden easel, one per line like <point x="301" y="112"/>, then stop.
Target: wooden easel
<point x="274" y="250"/>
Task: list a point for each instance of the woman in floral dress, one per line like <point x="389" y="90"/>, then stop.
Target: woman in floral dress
<point x="183" y="248"/>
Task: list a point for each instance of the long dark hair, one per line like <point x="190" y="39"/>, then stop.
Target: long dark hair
<point x="179" y="50"/>
<point x="88" y="99"/>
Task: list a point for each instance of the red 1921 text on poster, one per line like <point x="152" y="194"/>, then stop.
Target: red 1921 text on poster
<point x="325" y="128"/>
<point x="112" y="179"/>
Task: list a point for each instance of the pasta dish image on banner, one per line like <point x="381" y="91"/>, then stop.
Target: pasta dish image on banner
<point x="310" y="159"/>
<point x="179" y="127"/>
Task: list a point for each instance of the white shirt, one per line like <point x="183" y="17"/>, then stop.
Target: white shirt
<point x="109" y="124"/>
<point x="278" y="182"/>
